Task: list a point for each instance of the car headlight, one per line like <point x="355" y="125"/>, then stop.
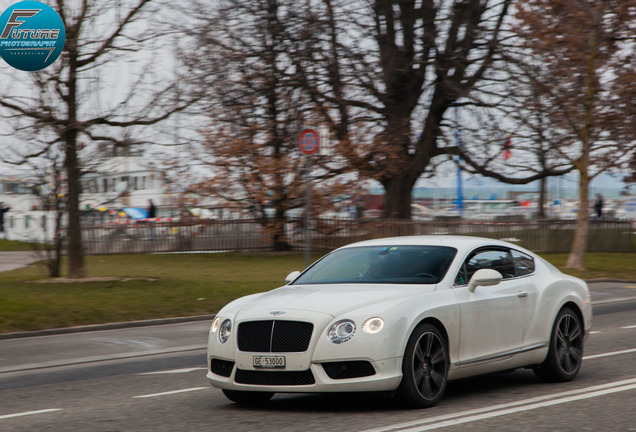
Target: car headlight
<point x="373" y="325"/>
<point x="224" y="331"/>
<point x="341" y="331"/>
<point x="215" y="325"/>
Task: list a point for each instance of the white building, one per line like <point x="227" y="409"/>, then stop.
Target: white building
<point x="115" y="183"/>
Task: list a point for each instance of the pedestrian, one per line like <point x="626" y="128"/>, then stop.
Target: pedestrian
<point x="151" y="209"/>
<point x="3" y="210"/>
<point x="151" y="215"/>
<point x="598" y="206"/>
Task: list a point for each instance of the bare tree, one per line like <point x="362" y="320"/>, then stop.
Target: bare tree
<point x="580" y="58"/>
<point x="510" y="137"/>
<point x="109" y="79"/>
<point x="384" y="73"/>
<point x="256" y="108"/>
<point x="49" y="190"/>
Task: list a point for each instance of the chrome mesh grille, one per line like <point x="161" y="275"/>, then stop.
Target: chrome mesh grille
<point x="273" y="336"/>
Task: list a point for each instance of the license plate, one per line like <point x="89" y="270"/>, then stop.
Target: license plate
<point x="269" y="362"/>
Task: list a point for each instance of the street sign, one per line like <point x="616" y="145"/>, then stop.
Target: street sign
<point x="309" y="141"/>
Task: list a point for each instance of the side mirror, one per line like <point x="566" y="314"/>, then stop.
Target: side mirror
<point x="484" y="277"/>
<point x="292" y="276"/>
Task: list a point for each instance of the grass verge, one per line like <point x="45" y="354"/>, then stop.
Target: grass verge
<point x="599" y="265"/>
<point x="11" y="245"/>
<point x="162" y="286"/>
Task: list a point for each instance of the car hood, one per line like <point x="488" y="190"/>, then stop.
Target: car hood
<point x="333" y="300"/>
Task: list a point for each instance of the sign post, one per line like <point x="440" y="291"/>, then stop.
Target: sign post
<point x="308" y="143"/>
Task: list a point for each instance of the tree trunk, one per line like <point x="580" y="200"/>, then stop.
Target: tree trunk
<point x="280" y="243"/>
<point x="76" y="267"/>
<point x="576" y="259"/>
<point x="56" y="260"/>
<point x="75" y="253"/>
<point x="398" y="196"/>
<point x="541" y="203"/>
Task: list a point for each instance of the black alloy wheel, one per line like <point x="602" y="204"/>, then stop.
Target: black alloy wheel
<point x="565" y="354"/>
<point x="424" y="368"/>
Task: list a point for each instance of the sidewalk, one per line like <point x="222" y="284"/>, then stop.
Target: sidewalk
<point x="12" y="260"/>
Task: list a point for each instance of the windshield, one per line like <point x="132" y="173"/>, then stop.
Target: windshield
<point x="381" y="264"/>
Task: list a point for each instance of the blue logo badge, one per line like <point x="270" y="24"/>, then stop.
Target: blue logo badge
<point x="32" y="35"/>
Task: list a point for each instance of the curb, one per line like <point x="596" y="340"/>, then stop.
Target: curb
<point x="110" y="326"/>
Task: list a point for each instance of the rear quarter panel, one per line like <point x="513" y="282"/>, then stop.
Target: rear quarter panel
<point x="555" y="290"/>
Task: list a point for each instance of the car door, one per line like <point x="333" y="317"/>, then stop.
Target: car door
<point x="493" y="318"/>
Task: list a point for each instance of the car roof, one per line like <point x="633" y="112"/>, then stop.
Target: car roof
<point x="458" y="242"/>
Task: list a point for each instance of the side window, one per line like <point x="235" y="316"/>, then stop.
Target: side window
<point x="461" y="278"/>
<point x="524" y="264"/>
<point x="496" y="259"/>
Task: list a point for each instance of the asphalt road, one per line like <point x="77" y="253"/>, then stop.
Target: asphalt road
<point x="153" y="379"/>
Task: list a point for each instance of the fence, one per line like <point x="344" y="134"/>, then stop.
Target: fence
<point x="328" y="234"/>
<point x="146" y="237"/>
<point x="538" y="236"/>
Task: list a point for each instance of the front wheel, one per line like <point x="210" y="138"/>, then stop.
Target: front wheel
<point x="424" y="368"/>
<point x="247" y="397"/>
<point x="566" y="349"/>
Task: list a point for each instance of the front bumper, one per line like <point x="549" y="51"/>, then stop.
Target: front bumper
<point x="380" y="375"/>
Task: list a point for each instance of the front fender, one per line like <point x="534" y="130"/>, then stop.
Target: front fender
<point x="401" y="318"/>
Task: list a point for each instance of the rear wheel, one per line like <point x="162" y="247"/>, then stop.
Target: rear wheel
<point x="565" y="354"/>
<point x="424" y="368"/>
<point x="247" y="397"/>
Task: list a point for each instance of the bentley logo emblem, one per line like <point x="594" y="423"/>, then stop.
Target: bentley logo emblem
<point x="275" y="313"/>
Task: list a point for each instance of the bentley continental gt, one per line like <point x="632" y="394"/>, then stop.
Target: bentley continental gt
<point x="402" y="315"/>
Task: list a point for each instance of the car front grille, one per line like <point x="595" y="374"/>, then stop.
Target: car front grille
<point x="274" y="378"/>
<point x="348" y="369"/>
<point x="272" y="336"/>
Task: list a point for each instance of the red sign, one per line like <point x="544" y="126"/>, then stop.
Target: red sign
<point x="309" y="141"/>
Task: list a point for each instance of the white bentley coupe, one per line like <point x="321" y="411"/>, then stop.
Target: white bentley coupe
<point x="402" y="315"/>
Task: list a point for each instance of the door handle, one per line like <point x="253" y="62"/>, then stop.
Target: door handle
<point x="522" y="294"/>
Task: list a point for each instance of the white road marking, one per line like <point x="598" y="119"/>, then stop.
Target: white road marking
<point x="509" y="408"/>
<point x="171" y="392"/>
<point x="26" y="413"/>
<point x="609" y="354"/>
<point x="595" y="332"/>
<point x="521" y="409"/>
<point x="629" y="327"/>
<point x="174" y="371"/>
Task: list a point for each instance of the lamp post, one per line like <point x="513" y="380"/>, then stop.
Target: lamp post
<point x="308" y="143"/>
<point x="458" y="140"/>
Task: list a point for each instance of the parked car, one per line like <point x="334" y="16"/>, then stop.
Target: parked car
<point x="402" y="315"/>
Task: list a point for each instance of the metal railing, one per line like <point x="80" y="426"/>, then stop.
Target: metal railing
<point x="328" y="234"/>
<point x="538" y="236"/>
<point x="147" y="237"/>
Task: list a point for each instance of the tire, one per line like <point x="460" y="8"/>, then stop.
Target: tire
<point x="248" y="397"/>
<point x="424" y="368"/>
<point x="565" y="354"/>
